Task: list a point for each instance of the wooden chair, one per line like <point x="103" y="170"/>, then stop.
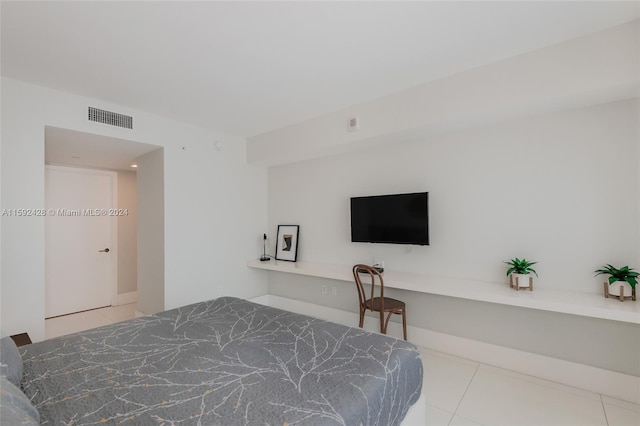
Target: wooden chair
<point x="377" y="303"/>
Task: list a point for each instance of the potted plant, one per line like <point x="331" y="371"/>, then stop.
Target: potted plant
<point x="625" y="280"/>
<point x="519" y="273"/>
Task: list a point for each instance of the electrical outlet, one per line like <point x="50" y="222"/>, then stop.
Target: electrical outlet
<point x="323" y="289"/>
<point x="377" y="262"/>
<point x="334" y="291"/>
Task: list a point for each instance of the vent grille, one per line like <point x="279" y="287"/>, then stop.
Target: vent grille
<point x="110" y="118"/>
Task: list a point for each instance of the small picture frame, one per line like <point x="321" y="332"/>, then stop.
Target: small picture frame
<point x="287" y="243"/>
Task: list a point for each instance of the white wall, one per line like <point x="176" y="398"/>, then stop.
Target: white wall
<point x="573" y="206"/>
<point x="150" y="232"/>
<point x="600" y="67"/>
<point x="214" y="202"/>
<point x="127" y="241"/>
<point x="560" y="189"/>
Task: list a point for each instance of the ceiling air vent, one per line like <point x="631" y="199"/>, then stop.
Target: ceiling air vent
<point x="110" y="118"/>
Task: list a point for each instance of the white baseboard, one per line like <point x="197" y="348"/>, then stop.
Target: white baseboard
<point x="594" y="379"/>
<point x="127" y="298"/>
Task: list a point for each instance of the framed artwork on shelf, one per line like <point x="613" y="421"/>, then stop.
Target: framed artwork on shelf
<point x="287" y="243"/>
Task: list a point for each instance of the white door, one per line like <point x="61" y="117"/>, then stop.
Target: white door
<point x="78" y="239"/>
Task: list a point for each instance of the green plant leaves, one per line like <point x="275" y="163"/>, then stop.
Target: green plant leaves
<point x="520" y="266"/>
<point x="619" y="274"/>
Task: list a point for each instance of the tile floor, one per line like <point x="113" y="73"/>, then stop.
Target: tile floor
<point x="458" y="392"/>
<point x="67" y="324"/>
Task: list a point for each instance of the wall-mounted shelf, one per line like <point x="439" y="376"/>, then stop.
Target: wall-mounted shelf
<point x="577" y="303"/>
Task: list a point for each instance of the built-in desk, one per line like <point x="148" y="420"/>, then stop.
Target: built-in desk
<point x="569" y="302"/>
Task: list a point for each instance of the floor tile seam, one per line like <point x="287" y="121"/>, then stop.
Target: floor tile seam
<point x="455" y="411"/>
<point x="475" y="422"/>
<point x="427" y="405"/>
<point x="529" y="378"/>
<point x="111" y="320"/>
<point x="106" y="317"/>
<point x="621" y="403"/>
<point x="599" y="396"/>
<point x="544" y="382"/>
<point x="604" y="410"/>
<point x="451" y="357"/>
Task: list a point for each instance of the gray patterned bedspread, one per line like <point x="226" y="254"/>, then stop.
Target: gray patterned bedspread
<point x="226" y="361"/>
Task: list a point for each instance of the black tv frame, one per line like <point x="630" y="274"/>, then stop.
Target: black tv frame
<point x="389" y="234"/>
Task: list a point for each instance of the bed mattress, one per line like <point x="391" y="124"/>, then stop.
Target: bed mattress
<point x="226" y="361"/>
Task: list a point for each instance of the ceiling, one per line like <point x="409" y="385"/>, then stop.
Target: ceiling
<point x="63" y="146"/>
<point x="249" y="67"/>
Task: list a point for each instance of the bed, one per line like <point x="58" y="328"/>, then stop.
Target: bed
<point x="226" y="361"/>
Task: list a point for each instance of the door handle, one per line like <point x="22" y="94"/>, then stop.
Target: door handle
<point x="104" y="251"/>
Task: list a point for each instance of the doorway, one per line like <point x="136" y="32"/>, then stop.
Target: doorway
<point x="80" y="150"/>
<point x="80" y="237"/>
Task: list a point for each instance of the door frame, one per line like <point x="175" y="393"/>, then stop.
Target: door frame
<point x="113" y="222"/>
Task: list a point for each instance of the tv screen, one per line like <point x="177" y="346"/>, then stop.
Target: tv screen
<point x="393" y="219"/>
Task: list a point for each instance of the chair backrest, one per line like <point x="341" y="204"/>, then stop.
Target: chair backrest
<point x="365" y="274"/>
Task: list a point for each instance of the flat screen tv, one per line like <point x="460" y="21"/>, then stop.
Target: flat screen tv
<point x="392" y="219"/>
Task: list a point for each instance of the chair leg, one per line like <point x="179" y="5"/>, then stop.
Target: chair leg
<point x="386" y="324"/>
<point x="404" y="323"/>
<point x="361" y="317"/>
<point x="383" y="329"/>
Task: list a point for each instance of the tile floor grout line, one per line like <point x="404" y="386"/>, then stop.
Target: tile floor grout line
<point x="112" y="308"/>
<point x="465" y="392"/>
<point x="97" y="313"/>
<point x="604" y="410"/>
<point x="105" y="316"/>
<point x="541" y="381"/>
